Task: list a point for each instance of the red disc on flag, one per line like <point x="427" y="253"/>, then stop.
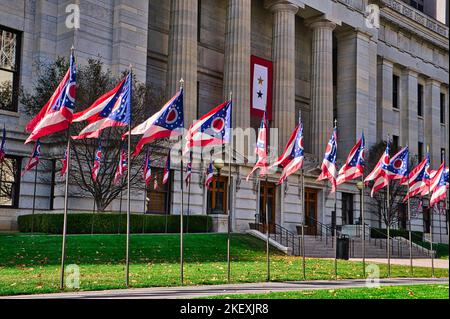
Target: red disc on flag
<point x="172" y="116"/>
<point x="218" y="124"/>
<point x="71" y="89"/>
<point x="398" y="163"/>
<point x="329" y="148"/>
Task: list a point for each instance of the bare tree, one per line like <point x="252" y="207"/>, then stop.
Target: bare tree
<point x="397" y="191"/>
<point x="92" y="82"/>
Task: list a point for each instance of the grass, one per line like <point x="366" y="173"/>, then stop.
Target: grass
<point x="30" y="264"/>
<point x="386" y="292"/>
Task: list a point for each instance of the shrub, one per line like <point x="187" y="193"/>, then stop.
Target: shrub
<point x="382" y="233"/>
<point x="110" y="223"/>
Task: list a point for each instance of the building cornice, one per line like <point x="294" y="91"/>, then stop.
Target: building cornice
<point x="415" y="22"/>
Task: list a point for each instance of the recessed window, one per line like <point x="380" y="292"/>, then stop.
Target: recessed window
<point x="395" y="91"/>
<point x="158" y="195"/>
<point x="443" y="104"/>
<point x="420" y="151"/>
<point x="420" y="100"/>
<point x="217" y="196"/>
<point x="395" y="143"/>
<point x="9" y="69"/>
<point x="10" y="182"/>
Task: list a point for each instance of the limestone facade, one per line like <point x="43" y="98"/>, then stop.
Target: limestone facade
<point x="328" y="63"/>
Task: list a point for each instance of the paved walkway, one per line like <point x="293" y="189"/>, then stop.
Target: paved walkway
<point x="204" y="291"/>
<point x="438" y="263"/>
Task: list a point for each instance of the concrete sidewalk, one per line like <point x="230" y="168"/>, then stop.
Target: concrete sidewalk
<point x="205" y="291"/>
<point x="438" y="263"/>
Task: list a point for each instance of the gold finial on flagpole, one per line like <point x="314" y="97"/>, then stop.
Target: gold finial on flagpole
<point x="231" y="95"/>
<point x="181" y="83"/>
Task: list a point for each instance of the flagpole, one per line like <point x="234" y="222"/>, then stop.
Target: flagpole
<point x="145" y="208"/>
<point x="66" y="200"/>
<point x="182" y="206"/>
<point x="431" y="221"/>
<point x="410" y="235"/>
<point x="189" y="197"/>
<point x="34" y="198"/>
<point x="303" y="224"/>
<point x="388" y="205"/>
<point x="229" y="192"/>
<point x="120" y="211"/>
<point x="127" y="257"/>
<point x="335" y="224"/>
<point x="363" y="221"/>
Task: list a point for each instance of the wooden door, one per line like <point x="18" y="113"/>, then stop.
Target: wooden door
<point x="267" y="201"/>
<point x="311" y="196"/>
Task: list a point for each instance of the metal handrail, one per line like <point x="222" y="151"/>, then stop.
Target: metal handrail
<point x="281" y="234"/>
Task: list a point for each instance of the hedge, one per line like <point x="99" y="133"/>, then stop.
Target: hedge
<point x="110" y="223"/>
<point x="382" y="233"/>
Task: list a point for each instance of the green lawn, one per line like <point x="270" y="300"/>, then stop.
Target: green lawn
<point x="30" y="264"/>
<point x="392" y="292"/>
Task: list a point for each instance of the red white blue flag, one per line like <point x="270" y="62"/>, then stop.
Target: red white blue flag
<point x="167" y="122"/>
<point x="122" y="167"/>
<point x="416" y="179"/>
<point x="57" y="114"/>
<point x="34" y="158"/>
<point x="209" y="175"/>
<point x="261" y="149"/>
<point x="439" y="186"/>
<point x="147" y="169"/>
<point x="329" y="170"/>
<point x="380" y="172"/>
<point x="97" y="162"/>
<point x="354" y="167"/>
<point x="294" y="154"/>
<point x="398" y="168"/>
<point x="166" y="173"/>
<point x="111" y="110"/>
<point x="2" y="145"/>
<point x="214" y="128"/>
<point x="65" y="162"/>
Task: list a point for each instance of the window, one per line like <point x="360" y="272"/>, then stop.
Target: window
<point x="443" y="98"/>
<point x="402" y="216"/>
<point x="395" y="83"/>
<point x="9" y="69"/>
<point x="420" y="151"/>
<point x="417" y="4"/>
<point x="347" y="209"/>
<point x="10" y="182"/>
<point x="217" y="195"/>
<point x="158" y="199"/>
<point x="420" y="100"/>
<point x="395" y="143"/>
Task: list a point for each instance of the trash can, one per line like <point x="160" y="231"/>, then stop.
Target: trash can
<point x="343" y="247"/>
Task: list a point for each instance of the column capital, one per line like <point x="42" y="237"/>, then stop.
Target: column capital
<point x="384" y="61"/>
<point x="281" y="5"/>
<point x="409" y="72"/>
<point x="320" y="22"/>
<point x="430" y="81"/>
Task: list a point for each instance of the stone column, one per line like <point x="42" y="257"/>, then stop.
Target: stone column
<point x="183" y="54"/>
<point x="385" y="113"/>
<point x="237" y="60"/>
<point x="130" y="36"/>
<point x="408" y="111"/>
<point x="283" y="56"/>
<point x="321" y="84"/>
<point x="353" y="88"/>
<point x="432" y="120"/>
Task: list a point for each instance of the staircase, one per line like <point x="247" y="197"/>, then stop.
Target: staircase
<point x="323" y="245"/>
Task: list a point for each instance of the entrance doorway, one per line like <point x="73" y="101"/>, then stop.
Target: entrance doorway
<point x="311" y="203"/>
<point x="267" y="201"/>
<point x="347" y="209"/>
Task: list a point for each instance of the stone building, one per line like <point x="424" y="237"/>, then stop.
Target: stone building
<point x="384" y="75"/>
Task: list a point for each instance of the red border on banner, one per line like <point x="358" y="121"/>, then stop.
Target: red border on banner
<point x="269" y="65"/>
